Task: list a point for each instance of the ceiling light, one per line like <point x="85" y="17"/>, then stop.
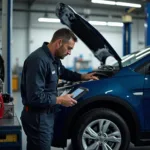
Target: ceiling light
<point x="117" y="3"/>
<point x="116" y="24"/>
<point x="104" y="2"/>
<point x="53" y="20"/>
<point x="128" y="4"/>
<point x="102" y="23"/>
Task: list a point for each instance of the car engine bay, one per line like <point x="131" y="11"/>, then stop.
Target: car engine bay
<point x="102" y="72"/>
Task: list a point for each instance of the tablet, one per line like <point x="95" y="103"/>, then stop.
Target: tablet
<point x="79" y="92"/>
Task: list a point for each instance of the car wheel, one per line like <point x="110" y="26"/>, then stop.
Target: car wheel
<point x="100" y="129"/>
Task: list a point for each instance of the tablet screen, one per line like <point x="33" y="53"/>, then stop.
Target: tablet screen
<point x="77" y="92"/>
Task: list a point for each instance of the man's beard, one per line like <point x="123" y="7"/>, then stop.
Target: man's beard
<point x="59" y="55"/>
<point x="62" y="57"/>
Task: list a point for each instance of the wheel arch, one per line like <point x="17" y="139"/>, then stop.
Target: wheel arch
<point x="116" y="104"/>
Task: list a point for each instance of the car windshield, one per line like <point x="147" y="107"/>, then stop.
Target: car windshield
<point x="131" y="58"/>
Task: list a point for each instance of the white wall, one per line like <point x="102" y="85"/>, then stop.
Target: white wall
<point x="19" y="46"/>
<point x="19" y="37"/>
<point x="40" y="32"/>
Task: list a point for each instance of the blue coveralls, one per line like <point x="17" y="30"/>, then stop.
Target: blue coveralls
<point x="39" y="91"/>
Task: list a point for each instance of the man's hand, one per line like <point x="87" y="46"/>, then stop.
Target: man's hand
<point x="66" y="100"/>
<point x="89" y="76"/>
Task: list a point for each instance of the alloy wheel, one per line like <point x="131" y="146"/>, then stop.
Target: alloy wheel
<point x="101" y="134"/>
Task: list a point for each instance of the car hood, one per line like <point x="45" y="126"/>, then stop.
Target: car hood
<point x="86" y="32"/>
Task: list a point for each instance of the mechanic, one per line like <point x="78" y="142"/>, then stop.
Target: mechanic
<point x="40" y="75"/>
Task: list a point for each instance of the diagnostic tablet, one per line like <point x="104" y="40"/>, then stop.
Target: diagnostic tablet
<point x="79" y="92"/>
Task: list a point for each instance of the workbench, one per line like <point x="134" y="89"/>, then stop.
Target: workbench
<point x="10" y="134"/>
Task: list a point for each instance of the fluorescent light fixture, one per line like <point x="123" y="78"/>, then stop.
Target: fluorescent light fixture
<point x="104" y="2"/>
<point x="101" y="23"/>
<point x="128" y="4"/>
<point x="54" y="20"/>
<point x="116" y="24"/>
<point x="116" y="3"/>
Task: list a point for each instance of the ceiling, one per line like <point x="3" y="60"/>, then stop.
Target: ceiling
<point x="86" y="4"/>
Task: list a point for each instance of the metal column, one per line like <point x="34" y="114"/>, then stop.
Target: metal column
<point x="126" y="38"/>
<point x="6" y="42"/>
<point x="147" y="31"/>
<point x="127" y="20"/>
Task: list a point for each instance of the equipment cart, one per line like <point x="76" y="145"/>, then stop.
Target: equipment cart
<point x="10" y="134"/>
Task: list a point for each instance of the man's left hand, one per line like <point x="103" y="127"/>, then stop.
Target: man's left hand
<point x="89" y="76"/>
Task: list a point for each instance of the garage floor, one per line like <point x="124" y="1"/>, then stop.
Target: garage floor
<point x="18" y="109"/>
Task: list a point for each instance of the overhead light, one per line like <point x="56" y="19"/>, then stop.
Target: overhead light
<point x="128" y="4"/>
<point x="53" y="20"/>
<point x="116" y="24"/>
<point x="116" y="3"/>
<point x="104" y="2"/>
<point x="102" y="23"/>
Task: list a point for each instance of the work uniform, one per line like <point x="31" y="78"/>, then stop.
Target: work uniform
<point x="40" y="75"/>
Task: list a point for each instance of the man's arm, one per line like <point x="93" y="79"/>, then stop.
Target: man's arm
<point x="74" y="76"/>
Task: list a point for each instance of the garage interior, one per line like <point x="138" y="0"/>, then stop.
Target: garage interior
<point x="22" y="31"/>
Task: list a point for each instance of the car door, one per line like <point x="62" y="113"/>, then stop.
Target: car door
<point x="146" y="96"/>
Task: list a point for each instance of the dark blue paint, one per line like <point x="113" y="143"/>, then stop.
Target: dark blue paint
<point x="123" y="85"/>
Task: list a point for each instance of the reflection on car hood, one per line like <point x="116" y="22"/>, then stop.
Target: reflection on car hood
<point x="86" y="32"/>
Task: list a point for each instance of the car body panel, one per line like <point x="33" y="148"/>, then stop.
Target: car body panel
<point x="119" y="87"/>
<point x="127" y="87"/>
<point x="146" y="102"/>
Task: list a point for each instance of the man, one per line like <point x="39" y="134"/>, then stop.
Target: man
<point x="40" y="75"/>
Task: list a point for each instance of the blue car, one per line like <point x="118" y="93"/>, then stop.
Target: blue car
<point x="116" y="109"/>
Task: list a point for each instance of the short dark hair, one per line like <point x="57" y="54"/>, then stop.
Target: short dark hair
<point x="64" y="34"/>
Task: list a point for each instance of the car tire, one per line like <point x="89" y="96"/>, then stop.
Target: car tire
<point x="101" y="139"/>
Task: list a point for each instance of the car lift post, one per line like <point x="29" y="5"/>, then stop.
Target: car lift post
<point x="127" y="20"/>
<point x="7" y="11"/>
<point x="147" y="24"/>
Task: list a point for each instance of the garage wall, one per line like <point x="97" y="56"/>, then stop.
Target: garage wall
<point x="19" y="46"/>
<point x="40" y="32"/>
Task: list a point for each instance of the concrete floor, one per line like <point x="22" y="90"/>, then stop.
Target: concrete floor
<point x="18" y="109"/>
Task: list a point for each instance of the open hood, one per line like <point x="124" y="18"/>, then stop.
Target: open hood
<point x="86" y="32"/>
